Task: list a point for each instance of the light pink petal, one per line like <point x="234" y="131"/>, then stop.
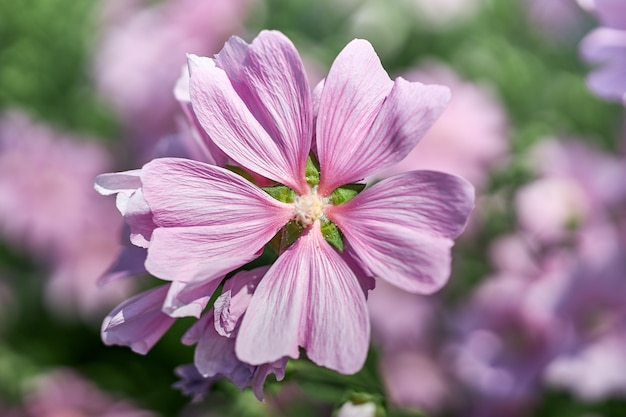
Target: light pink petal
<point x="352" y="96"/>
<point x="236" y="294"/>
<point x="193" y="137"/>
<point x="130" y="263"/>
<point x="234" y="129"/>
<point x="202" y="253"/>
<point x="308" y="298"/>
<point x="402" y="228"/>
<point x="138" y="322"/>
<point x="206" y="216"/>
<point x="270" y="78"/>
<point x="186" y="299"/>
<point x="405" y="116"/>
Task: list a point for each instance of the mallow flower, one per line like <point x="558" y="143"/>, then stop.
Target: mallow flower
<point x="299" y="157"/>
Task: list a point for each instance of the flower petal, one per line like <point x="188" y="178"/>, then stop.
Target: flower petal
<point x="353" y="93"/>
<point x="402" y="228"/>
<point x="308" y="298"/>
<point x="186" y="299"/>
<point x="270" y="78"/>
<point x="232" y="126"/>
<point x="236" y="294"/>
<point x="209" y="219"/>
<point x="138" y="322"/>
<point x="406" y="114"/>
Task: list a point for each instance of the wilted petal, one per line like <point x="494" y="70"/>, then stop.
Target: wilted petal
<point x="402" y="228"/>
<point x="236" y="294"/>
<point x="215" y="354"/>
<point x="138" y="322"/>
<point x="404" y="117"/>
<point x="308" y="298"/>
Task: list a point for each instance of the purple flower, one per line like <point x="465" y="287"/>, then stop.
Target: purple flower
<point x="47" y="206"/>
<point x="606" y="46"/>
<point x="254" y="103"/>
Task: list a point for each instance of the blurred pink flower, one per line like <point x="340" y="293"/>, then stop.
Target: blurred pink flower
<point x="48" y="207"/>
<point x="596" y="372"/>
<point x="64" y="393"/>
<point x="606" y="47"/>
<point x="578" y="189"/>
<point x="558" y="19"/>
<point x="404" y="329"/>
<point x="470" y="137"/>
<point x="142" y="49"/>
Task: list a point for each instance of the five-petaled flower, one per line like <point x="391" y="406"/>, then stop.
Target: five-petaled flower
<point x="310" y="148"/>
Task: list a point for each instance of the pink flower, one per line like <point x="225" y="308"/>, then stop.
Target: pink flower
<point x="606" y="46"/>
<point x="66" y="393"/>
<point x="254" y="102"/>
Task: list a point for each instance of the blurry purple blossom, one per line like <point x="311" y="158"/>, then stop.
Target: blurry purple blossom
<point x="48" y="207"/>
<point x="606" y="48"/>
<point x="66" y="393"/>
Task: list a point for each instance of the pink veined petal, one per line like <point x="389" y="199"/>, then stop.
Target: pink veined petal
<point x="209" y="219"/>
<point x="236" y="294"/>
<point x="138" y="322"/>
<point x="402" y="228"/>
<point x="269" y="76"/>
<point x="202" y="253"/>
<point x="408" y="112"/>
<point x="352" y="96"/>
<point x="308" y="298"/>
<point x="224" y="116"/>
<point x="186" y="299"/>
<point x="194" y="136"/>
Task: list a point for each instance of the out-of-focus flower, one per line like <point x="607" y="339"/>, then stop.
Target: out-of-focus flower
<point x="66" y="393"/>
<point x="404" y="329"/>
<point x="142" y="49"/>
<point x="49" y="208"/>
<point x="558" y="19"/>
<point x="578" y="189"/>
<point x="470" y="136"/>
<point x="596" y="372"/>
<point x="254" y="102"/>
<point x="606" y="47"/>
<point x="507" y="339"/>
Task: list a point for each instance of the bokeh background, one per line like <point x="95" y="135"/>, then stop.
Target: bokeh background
<point x="532" y="321"/>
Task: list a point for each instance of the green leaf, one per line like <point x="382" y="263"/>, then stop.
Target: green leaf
<point x="346" y="193"/>
<point x="331" y="233"/>
<point x="281" y="193"/>
<point x="312" y="172"/>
